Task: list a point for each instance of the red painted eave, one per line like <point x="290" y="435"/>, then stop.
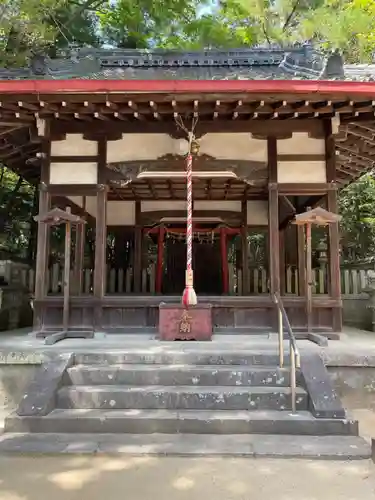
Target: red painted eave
<point x="187" y="86"/>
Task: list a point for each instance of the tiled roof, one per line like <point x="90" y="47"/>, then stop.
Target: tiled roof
<point x="258" y="63"/>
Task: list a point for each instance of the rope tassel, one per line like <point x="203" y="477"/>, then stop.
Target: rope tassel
<point x="189" y="297"/>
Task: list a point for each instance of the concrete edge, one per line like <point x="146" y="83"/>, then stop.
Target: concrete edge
<point x="250" y="446"/>
<point x="323" y="399"/>
<point x="39" y="398"/>
<point x="320" y="340"/>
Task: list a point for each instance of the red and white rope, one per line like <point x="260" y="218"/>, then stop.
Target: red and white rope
<point x="189" y="229"/>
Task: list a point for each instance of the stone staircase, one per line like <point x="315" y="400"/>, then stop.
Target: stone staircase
<point x="184" y="402"/>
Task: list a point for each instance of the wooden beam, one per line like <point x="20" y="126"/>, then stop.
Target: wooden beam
<point x="333" y="229"/>
<point x="67" y="254"/>
<point x="43" y="232"/>
<point x="245" y="251"/>
<point x="309" y="279"/>
<point x="282" y="261"/>
<point x="79" y="254"/>
<point x="74" y="159"/>
<point x="137" y="249"/>
<point x="100" y="235"/>
<point x="159" y="260"/>
<point x="301" y="254"/>
<point x="305" y="189"/>
<point x="273" y="216"/>
<point x="224" y="259"/>
<point x="73" y="189"/>
<point x="262" y="127"/>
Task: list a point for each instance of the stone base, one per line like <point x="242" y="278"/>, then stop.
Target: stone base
<point x="178" y="323"/>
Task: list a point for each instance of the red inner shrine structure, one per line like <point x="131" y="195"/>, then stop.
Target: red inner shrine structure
<point x="110" y="150"/>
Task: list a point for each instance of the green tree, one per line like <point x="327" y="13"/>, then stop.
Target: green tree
<point x="16" y="208"/>
<point x="357" y="207"/>
<point x="43" y="26"/>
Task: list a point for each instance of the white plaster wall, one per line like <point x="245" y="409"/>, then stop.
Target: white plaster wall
<point x="228" y="205"/>
<point x="257" y="212"/>
<point x="156" y="206"/>
<point x="78" y="200"/>
<point x="74" y="145"/>
<point x="73" y="173"/>
<point x="119" y="213"/>
<point x="123" y="212"/>
<point x="308" y="172"/>
<point x="90" y="203"/>
<point x="139" y="147"/>
<point x="300" y="143"/>
<point x="241" y="146"/>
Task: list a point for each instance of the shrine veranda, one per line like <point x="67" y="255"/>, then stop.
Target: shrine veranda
<point x="111" y="151"/>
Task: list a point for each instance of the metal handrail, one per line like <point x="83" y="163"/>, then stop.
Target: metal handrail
<point x="295" y="359"/>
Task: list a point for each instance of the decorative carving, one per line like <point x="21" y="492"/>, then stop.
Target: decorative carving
<point x="251" y="172"/>
<point x="124" y="172"/>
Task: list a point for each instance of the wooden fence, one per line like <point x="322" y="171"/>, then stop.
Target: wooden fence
<point x="353" y="281"/>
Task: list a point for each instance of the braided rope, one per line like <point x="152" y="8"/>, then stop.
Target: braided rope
<point x="189" y="229"/>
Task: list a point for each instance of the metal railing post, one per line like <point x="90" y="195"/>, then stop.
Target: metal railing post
<point x="293" y="382"/>
<point x="295" y="361"/>
<point x="281" y="337"/>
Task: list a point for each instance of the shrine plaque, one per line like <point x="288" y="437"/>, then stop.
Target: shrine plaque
<point x="176" y="322"/>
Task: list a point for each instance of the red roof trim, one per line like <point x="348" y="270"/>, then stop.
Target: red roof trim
<point x="186" y="86"/>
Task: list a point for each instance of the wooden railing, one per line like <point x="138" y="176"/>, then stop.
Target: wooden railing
<point x="353" y="281"/>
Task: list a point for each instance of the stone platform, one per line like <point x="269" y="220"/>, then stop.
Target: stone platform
<point x="219" y="398"/>
<point x="251" y="446"/>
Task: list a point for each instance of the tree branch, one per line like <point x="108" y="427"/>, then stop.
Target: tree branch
<point x="266" y="34"/>
<point x="12" y="195"/>
<point x="88" y="5"/>
<point x="291" y="15"/>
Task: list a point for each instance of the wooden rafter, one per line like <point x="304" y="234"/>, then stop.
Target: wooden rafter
<point x="114" y="114"/>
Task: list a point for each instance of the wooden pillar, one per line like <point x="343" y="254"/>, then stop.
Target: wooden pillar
<point x="273" y="217"/>
<point x="224" y="259"/>
<point x="79" y="254"/>
<point x="100" y="234"/>
<point x="309" y="279"/>
<point x="282" y="261"/>
<point x="43" y="232"/>
<point x="137" y="269"/>
<point x="301" y="260"/>
<point x="244" y="251"/>
<point x="67" y="253"/>
<point x="159" y="261"/>
<point x="333" y="229"/>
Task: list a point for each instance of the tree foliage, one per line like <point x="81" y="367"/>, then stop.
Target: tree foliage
<point x="357" y="208"/>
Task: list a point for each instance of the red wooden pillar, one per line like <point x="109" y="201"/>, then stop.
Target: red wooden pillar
<point x="224" y="259"/>
<point x="159" y="262"/>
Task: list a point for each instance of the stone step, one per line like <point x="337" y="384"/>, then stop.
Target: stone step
<point x="132" y="374"/>
<point x="251" y="445"/>
<point x="166" y="355"/>
<point x="182" y="421"/>
<point x="179" y="397"/>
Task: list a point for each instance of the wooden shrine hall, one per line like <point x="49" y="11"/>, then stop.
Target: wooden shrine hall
<point x="113" y="153"/>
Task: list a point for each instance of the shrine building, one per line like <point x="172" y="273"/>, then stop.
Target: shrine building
<point x="104" y="133"/>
